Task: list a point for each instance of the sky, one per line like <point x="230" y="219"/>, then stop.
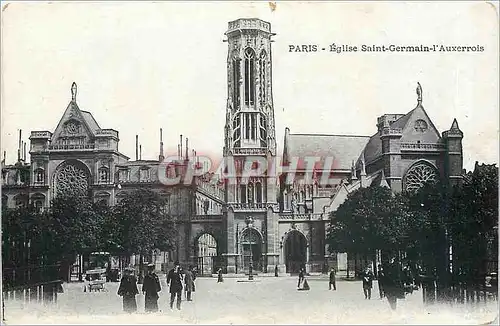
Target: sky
<point x="144" y="66"/>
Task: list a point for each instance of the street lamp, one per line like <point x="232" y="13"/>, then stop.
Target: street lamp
<point x="249" y="222"/>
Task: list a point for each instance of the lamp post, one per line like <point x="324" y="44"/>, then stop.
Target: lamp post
<point x="249" y="222"/>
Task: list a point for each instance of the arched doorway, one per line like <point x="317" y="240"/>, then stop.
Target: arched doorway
<point x="295" y="251"/>
<point x="206" y="247"/>
<point x="251" y="249"/>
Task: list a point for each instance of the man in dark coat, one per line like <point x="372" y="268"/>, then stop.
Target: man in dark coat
<point x="174" y="278"/>
<point x="301" y="277"/>
<point x="381" y="279"/>
<point x="150" y="287"/>
<point x="188" y="283"/>
<point x="220" y="279"/>
<point x="128" y="290"/>
<point x="368" y="283"/>
<point x="392" y="283"/>
<point x="332" y="283"/>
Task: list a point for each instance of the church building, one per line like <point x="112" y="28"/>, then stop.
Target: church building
<point x="243" y="222"/>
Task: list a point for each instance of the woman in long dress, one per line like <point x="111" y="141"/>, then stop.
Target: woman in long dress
<point x="128" y="290"/>
<point x="150" y="287"/>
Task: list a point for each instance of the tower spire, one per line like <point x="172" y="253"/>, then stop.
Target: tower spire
<point x="419" y="94"/>
<point x="73" y="92"/>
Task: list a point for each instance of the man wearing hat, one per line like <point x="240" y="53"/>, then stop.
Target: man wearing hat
<point x="174" y="279"/>
<point x="332" y="283"/>
<point x="150" y="288"/>
<point x="128" y="290"/>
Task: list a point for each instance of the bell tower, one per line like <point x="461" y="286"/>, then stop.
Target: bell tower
<point x="249" y="129"/>
<point x="250" y="148"/>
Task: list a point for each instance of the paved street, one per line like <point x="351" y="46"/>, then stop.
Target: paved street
<point x="268" y="300"/>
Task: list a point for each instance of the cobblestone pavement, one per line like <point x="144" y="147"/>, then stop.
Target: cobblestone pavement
<point x="267" y="300"/>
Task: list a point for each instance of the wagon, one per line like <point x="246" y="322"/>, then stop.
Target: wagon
<point x="95" y="280"/>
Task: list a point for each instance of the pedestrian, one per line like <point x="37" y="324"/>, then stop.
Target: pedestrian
<point x="219" y="276"/>
<point x="305" y="285"/>
<point x="393" y="288"/>
<point x="276" y="270"/>
<point x="150" y="288"/>
<point x="128" y="290"/>
<point x="188" y="283"/>
<point x="301" y="277"/>
<point x="381" y="279"/>
<point x="332" y="283"/>
<point x="408" y="280"/>
<point x="368" y="282"/>
<point x="174" y="279"/>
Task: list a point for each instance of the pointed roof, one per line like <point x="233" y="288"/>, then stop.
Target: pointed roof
<point x="401" y="122"/>
<point x="73" y="112"/>
<point x="373" y="148"/>
<point x="454" y="125"/>
<point x="345" y="189"/>
<point x="383" y="181"/>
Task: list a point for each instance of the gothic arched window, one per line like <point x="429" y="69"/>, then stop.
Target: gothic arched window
<point x="419" y="175"/>
<point x="243" y="192"/>
<point x="262" y="77"/>
<point x="258" y="191"/>
<point x="236" y="83"/>
<point x="249" y="77"/>
<point x="250" y="193"/>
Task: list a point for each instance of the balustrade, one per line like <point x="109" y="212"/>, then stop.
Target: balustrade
<point x="71" y="147"/>
<point x="304" y="216"/>
<point x="421" y="146"/>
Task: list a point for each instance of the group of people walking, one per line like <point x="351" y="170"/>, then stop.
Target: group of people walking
<point x="392" y="282"/>
<point x="177" y="280"/>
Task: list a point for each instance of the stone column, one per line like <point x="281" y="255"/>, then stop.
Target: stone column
<point x="231" y="254"/>
<point x="308" y="254"/>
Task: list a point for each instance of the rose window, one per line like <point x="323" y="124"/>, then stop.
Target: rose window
<point x="419" y="175"/>
<point x="72" y="180"/>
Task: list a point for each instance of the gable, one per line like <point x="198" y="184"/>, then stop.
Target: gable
<point x="73" y="128"/>
<point x="419" y="127"/>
